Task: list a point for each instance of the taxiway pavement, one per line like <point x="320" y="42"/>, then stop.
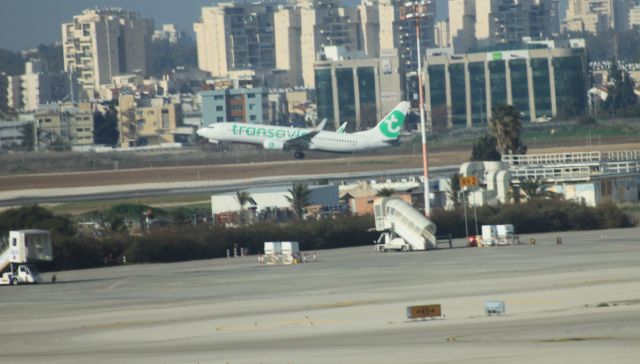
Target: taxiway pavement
<point x="578" y="302"/>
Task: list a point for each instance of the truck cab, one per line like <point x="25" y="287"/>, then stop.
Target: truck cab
<point x="21" y="274"/>
<point x="388" y="241"/>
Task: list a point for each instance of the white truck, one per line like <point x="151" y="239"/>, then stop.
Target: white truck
<point x="281" y="252"/>
<point x="497" y="235"/>
<point x="17" y="254"/>
<point x="402" y="227"/>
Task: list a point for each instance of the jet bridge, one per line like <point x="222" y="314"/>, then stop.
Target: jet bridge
<point x="402" y="226"/>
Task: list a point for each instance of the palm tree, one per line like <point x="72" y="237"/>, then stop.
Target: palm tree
<point x="385" y="192"/>
<point x="455" y="188"/>
<point x="505" y="126"/>
<point x="243" y="198"/>
<point x="300" y="194"/>
<point x="485" y="149"/>
<point x="534" y="189"/>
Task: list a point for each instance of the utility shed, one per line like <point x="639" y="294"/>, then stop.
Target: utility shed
<point x="272" y="197"/>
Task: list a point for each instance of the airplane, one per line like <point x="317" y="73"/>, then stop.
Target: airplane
<point x="273" y="137"/>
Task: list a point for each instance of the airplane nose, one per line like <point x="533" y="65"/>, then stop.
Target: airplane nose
<point x="201" y="132"/>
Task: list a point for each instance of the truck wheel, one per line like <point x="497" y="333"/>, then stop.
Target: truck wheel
<point x="405" y="248"/>
<point x="14" y="281"/>
<point x="382" y="249"/>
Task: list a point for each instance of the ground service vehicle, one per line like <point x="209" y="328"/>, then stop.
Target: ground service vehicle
<point x="402" y="226"/>
<point x="17" y="254"/>
<point x="497" y="235"/>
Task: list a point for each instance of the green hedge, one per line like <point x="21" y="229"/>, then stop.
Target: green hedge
<point x="536" y="216"/>
<point x="203" y="242"/>
<point x="188" y="242"/>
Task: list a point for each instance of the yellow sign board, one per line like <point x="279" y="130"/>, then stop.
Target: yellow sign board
<point x="470" y="181"/>
<point x="424" y="311"/>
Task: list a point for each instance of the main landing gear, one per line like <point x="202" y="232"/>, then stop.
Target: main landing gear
<point x="298" y="155"/>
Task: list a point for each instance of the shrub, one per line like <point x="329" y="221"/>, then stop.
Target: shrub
<point x="536" y="216"/>
<point x="175" y="243"/>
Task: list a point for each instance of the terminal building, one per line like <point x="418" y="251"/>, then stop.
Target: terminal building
<point x="537" y="78"/>
<point x="590" y="178"/>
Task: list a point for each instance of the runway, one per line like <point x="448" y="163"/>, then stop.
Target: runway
<point x="142" y="190"/>
<point x="569" y="303"/>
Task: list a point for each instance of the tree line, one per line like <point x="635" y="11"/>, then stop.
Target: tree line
<point x="182" y="240"/>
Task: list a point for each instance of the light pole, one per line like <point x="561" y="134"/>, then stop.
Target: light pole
<point x="464" y="208"/>
<point x="419" y="11"/>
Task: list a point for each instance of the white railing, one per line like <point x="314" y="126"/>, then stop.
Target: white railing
<point x="552" y="173"/>
<point x="552" y="158"/>
<point x="624" y="155"/>
<point x="622" y="167"/>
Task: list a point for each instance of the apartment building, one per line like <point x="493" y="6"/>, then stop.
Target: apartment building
<point x="324" y="23"/>
<point x="13" y="134"/>
<point x="243" y="105"/>
<point x="592" y="16"/>
<point x="442" y="34"/>
<point x="143" y="122"/>
<point x="168" y="32"/>
<point x="288" y="51"/>
<point x="37" y="86"/>
<point x="235" y="36"/>
<point x="101" y="43"/>
<point x="486" y="22"/>
<point x="63" y="125"/>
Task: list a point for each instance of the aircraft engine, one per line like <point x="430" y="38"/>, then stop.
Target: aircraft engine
<point x="273" y="144"/>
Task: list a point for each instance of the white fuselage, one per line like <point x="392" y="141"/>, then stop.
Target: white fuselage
<point x="327" y="141"/>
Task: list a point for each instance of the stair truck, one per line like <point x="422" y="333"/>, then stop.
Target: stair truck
<point x="402" y="227"/>
<point x="19" y="252"/>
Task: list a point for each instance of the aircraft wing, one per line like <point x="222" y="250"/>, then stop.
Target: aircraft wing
<point x="302" y="142"/>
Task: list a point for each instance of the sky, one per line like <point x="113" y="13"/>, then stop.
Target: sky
<point x="24" y="24"/>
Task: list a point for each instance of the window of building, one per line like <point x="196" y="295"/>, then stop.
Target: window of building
<point x="252" y="106"/>
<point x="218" y="97"/>
<point x="520" y="86"/>
<point x="438" y="91"/>
<point x="367" y="90"/>
<point x="478" y="93"/>
<point x="219" y="119"/>
<point x="324" y="94"/>
<point x="219" y="108"/>
<point x="541" y="86"/>
<point x="571" y="86"/>
<point x="252" y="118"/>
<point x="346" y="94"/>
<point x="251" y="96"/>
<point x="498" y="78"/>
<point x="458" y="94"/>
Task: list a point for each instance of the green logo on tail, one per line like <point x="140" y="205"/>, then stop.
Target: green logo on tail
<point x="391" y="125"/>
